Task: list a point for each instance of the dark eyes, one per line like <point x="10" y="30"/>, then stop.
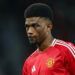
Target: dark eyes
<point x="33" y="25"/>
<point x="26" y="26"/>
<point x="37" y="25"/>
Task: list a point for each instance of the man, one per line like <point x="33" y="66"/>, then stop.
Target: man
<point x="53" y="56"/>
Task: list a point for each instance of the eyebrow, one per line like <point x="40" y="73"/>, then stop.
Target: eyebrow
<point x="31" y="24"/>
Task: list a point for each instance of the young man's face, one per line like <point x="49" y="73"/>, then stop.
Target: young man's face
<point x="37" y="29"/>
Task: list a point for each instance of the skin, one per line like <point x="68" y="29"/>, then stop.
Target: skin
<point x="39" y="31"/>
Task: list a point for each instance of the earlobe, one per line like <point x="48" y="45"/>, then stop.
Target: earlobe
<point x="49" y="27"/>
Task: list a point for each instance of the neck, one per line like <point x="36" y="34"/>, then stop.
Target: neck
<point x="45" y="44"/>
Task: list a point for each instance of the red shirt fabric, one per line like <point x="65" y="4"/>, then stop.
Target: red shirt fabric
<point x="58" y="59"/>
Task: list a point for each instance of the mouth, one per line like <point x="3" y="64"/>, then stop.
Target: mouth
<point x="30" y="37"/>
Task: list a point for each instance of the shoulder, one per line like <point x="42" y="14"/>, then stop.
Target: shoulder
<point x="31" y="56"/>
<point x="65" y="46"/>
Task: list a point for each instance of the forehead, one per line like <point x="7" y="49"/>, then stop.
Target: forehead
<point x="32" y="20"/>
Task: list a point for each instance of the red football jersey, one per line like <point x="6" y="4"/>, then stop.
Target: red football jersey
<point x="58" y="59"/>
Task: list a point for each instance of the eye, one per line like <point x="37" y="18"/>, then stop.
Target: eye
<point x="33" y="25"/>
<point x="26" y="26"/>
<point x="37" y="25"/>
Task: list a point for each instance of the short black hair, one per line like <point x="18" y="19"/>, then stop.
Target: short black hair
<point x="38" y="10"/>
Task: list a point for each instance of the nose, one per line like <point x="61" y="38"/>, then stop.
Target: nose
<point x="30" y="30"/>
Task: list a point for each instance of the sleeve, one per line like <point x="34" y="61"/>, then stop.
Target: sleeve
<point x="70" y="59"/>
<point x="24" y="70"/>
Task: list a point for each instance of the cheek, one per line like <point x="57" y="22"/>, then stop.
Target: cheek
<point x="38" y="34"/>
<point x="41" y="34"/>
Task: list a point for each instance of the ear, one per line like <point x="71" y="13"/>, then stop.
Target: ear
<point x="49" y="27"/>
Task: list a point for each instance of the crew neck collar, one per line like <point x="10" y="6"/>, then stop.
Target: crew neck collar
<point x="52" y="44"/>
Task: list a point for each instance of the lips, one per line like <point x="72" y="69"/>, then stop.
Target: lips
<point x="30" y="37"/>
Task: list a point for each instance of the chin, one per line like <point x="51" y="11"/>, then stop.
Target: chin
<point x="32" y="42"/>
